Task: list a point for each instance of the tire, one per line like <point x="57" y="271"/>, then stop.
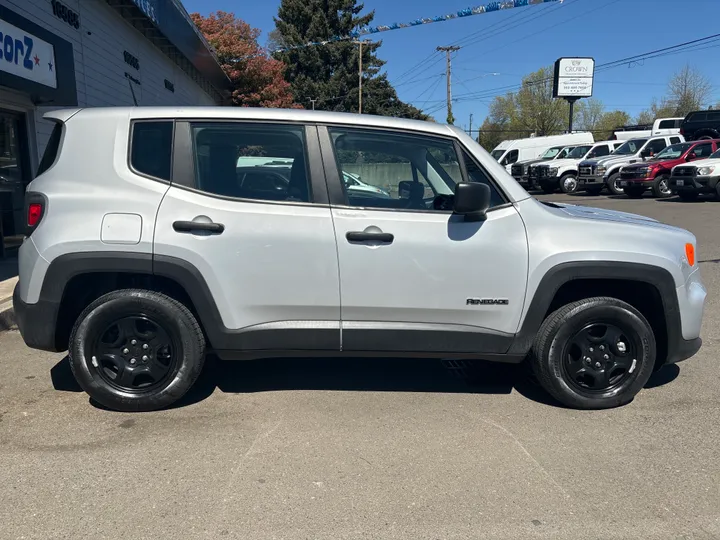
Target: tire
<point x="161" y="336"/>
<point x="634" y="192"/>
<point x="613" y="184"/>
<point x="661" y="187"/>
<point x="554" y="354"/>
<point x="547" y="187"/>
<point x="569" y="183"/>
<point x="687" y="196"/>
<point x="594" y="190"/>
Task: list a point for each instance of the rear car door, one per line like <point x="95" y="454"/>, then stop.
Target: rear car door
<point x="258" y="248"/>
<point x="415" y="277"/>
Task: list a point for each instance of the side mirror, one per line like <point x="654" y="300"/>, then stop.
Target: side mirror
<point x="691" y="156"/>
<point x="472" y="200"/>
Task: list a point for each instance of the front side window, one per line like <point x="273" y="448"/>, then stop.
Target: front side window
<point x="630" y="147"/>
<point x="399" y="171"/>
<point x="654" y="147"/>
<point x="263" y="162"/>
<point x="565" y="152"/>
<point x="599" y="151"/>
<point x="579" y="152"/>
<point x="511" y="158"/>
<point x="151" y="151"/>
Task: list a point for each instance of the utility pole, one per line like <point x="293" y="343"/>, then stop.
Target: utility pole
<point x="448" y="51"/>
<point x="471" y="117"/>
<point x="360" y="75"/>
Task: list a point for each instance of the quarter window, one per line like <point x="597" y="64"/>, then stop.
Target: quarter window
<point x="703" y="150"/>
<point x="264" y="162"/>
<point x="151" y="151"/>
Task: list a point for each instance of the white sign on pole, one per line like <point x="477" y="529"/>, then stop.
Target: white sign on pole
<point x="574" y="77"/>
<point x="24" y="55"/>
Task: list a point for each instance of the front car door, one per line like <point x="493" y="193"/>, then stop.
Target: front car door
<point x="415" y="277"/>
<point x="264" y="247"/>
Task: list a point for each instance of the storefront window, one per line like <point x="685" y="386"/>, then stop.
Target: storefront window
<point x="12" y="180"/>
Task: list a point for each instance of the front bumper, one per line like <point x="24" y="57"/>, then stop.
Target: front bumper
<point x="636" y="182"/>
<point x="36" y="322"/>
<point x="591" y="180"/>
<point x="699" y="184"/>
<point x="683" y="349"/>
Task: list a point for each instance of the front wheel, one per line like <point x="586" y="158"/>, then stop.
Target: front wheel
<point x="613" y="184"/>
<point x="547" y="187"/>
<point x="634" y="192"/>
<point x="661" y="187"/>
<point x="687" y="196"/>
<point x="569" y="183"/>
<point x="136" y="350"/>
<point x="595" y="353"/>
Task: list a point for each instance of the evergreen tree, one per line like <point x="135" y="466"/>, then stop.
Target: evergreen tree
<point x="329" y="73"/>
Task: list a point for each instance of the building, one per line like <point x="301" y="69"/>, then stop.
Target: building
<point x="89" y="53"/>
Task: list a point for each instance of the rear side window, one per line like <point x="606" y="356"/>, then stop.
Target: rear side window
<point x="669" y="124"/>
<point x="674" y="140"/>
<point x="151" y="151"/>
<point x="703" y="150"/>
<point x="51" y="150"/>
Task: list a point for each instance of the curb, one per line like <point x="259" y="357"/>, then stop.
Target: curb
<point x="7" y="316"/>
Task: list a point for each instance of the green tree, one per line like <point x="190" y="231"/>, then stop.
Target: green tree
<point x="329" y="73"/>
<point x="609" y="122"/>
<point x="588" y="114"/>
<point x="688" y="90"/>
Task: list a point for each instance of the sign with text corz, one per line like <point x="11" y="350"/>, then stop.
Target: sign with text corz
<point x="574" y="77"/>
<point x="27" y="56"/>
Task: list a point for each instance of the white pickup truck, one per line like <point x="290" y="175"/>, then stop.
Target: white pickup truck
<point x="661" y="126"/>
<point x="563" y="173"/>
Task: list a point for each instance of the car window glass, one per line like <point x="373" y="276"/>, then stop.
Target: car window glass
<point x="477" y="174"/>
<point x="151" y="149"/>
<point x="655" y="146"/>
<point x="713" y="116"/>
<point x="251" y="161"/>
<point x="674" y="140"/>
<point x="395" y="170"/>
<point x="51" y="150"/>
<point x="703" y="150"/>
<point x="511" y="158"/>
<point x="599" y="151"/>
<point x="667" y="124"/>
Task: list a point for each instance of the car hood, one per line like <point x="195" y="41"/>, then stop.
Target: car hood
<point x="562" y="162"/>
<point x="601" y="214"/>
<point x="701" y="163"/>
<point x="611" y="160"/>
<point x="667" y="163"/>
<point x="532" y="162"/>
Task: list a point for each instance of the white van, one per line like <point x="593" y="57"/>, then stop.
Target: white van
<point x="661" y="126"/>
<point x="508" y="152"/>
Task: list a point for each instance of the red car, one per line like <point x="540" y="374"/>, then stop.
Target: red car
<point x="654" y="173"/>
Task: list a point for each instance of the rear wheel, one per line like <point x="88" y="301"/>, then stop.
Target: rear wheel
<point x="547" y="187"/>
<point x="688" y="195"/>
<point x="613" y="184"/>
<point x="596" y="353"/>
<point x="661" y="186"/>
<point x="634" y="192"/>
<point x="569" y="183"/>
<point x="136" y="350"/>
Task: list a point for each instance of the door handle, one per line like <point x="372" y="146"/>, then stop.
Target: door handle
<point x="385" y="238"/>
<point x="192" y="226"/>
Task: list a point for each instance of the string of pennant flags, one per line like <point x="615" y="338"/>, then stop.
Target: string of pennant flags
<point x="467" y="12"/>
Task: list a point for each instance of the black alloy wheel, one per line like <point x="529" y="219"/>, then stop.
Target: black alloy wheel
<point x="135" y="354"/>
<point x="600" y="357"/>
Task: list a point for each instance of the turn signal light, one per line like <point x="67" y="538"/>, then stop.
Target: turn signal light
<point x="690" y="254"/>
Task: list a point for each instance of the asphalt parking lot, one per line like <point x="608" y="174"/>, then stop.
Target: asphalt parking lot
<point x="376" y="448"/>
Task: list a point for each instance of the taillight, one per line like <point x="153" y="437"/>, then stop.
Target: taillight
<point x="35" y="204"/>
<point x="34" y="214"/>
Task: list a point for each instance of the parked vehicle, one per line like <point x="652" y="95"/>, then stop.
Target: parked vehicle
<point x="167" y="257"/>
<point x="661" y="126"/>
<point x="699" y="125"/>
<point x="703" y="176"/>
<point x="563" y="172"/>
<point x="508" y="152"/>
<point x="654" y="174"/>
<point x="595" y="174"/>
<point x="521" y="170"/>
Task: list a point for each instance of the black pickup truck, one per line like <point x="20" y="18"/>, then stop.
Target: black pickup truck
<point x="701" y="125"/>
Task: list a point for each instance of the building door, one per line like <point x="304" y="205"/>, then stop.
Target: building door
<point x="14" y="177"/>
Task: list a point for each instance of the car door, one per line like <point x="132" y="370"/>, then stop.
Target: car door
<point x="265" y="254"/>
<point x="415" y="277"/>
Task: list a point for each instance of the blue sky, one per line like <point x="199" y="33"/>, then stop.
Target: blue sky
<point x="503" y="46"/>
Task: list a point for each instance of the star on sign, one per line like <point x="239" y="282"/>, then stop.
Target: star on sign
<point x="50" y="66"/>
<point x="37" y="60"/>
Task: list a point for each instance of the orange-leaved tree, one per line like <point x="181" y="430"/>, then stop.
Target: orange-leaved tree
<point x="257" y="79"/>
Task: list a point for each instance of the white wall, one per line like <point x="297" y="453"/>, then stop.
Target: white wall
<point x="99" y="63"/>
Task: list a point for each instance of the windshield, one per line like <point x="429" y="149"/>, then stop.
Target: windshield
<point x="497" y="154"/>
<point x="551" y="152"/>
<point x="579" y="152"/>
<point x="674" y="151"/>
<point x="565" y="152"/>
<point x="630" y="147"/>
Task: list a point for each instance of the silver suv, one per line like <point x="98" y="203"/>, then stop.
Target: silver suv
<point x="148" y="247"/>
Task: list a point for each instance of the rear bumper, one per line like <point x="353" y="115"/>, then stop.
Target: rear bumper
<point x="36" y="322"/>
